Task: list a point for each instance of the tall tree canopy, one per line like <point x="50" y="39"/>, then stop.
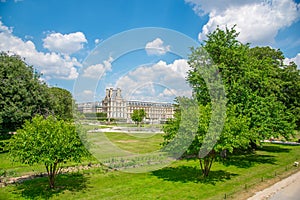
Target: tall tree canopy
<point x="262" y="95"/>
<point x="22" y="93"/>
<point x="256" y="82"/>
<point x="61" y="103"/>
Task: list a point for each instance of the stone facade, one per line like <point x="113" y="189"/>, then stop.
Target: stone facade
<point x="118" y="108"/>
<point x="114" y="105"/>
<point x="90" y="107"/>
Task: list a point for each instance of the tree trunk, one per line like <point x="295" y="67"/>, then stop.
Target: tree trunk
<point x="206" y="163"/>
<point x="51" y="171"/>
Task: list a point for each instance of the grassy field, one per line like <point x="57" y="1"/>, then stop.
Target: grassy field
<point x="234" y="178"/>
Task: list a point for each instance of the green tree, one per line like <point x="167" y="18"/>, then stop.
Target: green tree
<point x="291" y="90"/>
<point x="22" y="94"/>
<point x="206" y="144"/>
<point x="258" y="100"/>
<point x="48" y="141"/>
<point x="252" y="77"/>
<point x="138" y="116"/>
<point x="61" y="103"/>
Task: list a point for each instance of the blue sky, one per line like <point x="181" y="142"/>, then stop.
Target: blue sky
<point x="77" y="45"/>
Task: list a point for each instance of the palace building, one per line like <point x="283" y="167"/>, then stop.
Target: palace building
<point x="120" y="109"/>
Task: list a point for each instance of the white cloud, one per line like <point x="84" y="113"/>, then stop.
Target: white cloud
<point x="257" y="21"/>
<point x="88" y="92"/>
<point x="168" y="92"/>
<point x="98" y="70"/>
<point x="97" y="41"/>
<point x="51" y="65"/>
<point x="160" y="81"/>
<point x="202" y="7"/>
<point x="296" y="60"/>
<point x="156" y="47"/>
<point x="65" y="43"/>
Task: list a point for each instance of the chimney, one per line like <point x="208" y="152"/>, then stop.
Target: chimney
<point x="118" y="92"/>
<point x="110" y="92"/>
<point x="107" y="92"/>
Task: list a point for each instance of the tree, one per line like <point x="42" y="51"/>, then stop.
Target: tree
<point x="61" y="103"/>
<point x="206" y="143"/>
<point x="252" y="77"/>
<point x="138" y="115"/>
<point x="291" y="90"/>
<point x="22" y="93"/>
<point x="49" y="141"/>
<point x="258" y="104"/>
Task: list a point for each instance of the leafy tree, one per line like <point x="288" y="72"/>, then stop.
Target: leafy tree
<point x="22" y="93"/>
<point x="101" y="116"/>
<point x="291" y="90"/>
<point x="48" y="141"/>
<point x="61" y="103"/>
<point x="206" y="144"/>
<point x="138" y="115"/>
<point x="258" y="100"/>
<point x="275" y="92"/>
<point x="252" y="77"/>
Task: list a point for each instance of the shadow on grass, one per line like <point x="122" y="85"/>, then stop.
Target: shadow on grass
<point x="248" y="160"/>
<point x="191" y="174"/>
<point x="38" y="188"/>
<point x="274" y="149"/>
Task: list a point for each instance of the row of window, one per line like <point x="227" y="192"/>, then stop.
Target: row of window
<point x="137" y="103"/>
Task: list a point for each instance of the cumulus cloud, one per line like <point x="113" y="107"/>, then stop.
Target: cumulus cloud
<point x="156" y="47"/>
<point x="158" y="81"/>
<point x="51" y="65"/>
<point x="257" y="21"/>
<point x="296" y="60"/>
<point x="88" y="92"/>
<point x="97" y="41"/>
<point x="168" y="92"/>
<point x="65" y="43"/>
<point x="98" y="70"/>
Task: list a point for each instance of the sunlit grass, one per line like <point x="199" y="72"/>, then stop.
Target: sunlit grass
<point x="181" y="179"/>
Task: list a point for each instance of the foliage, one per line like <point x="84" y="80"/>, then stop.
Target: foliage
<point x="22" y="94"/>
<point x="138" y="115"/>
<point x="256" y="82"/>
<point x="48" y="141"/>
<point x="207" y="143"/>
<point x="61" y="103"/>
<point x="100" y="116"/>
<point x="262" y="96"/>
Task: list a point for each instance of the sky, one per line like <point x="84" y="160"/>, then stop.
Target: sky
<point x="140" y="46"/>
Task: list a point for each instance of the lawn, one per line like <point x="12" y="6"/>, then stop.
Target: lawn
<point x="232" y="178"/>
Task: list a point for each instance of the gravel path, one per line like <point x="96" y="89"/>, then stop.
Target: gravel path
<point x="287" y="189"/>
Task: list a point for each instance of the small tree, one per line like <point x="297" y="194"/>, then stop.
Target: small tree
<point x="205" y="145"/>
<point x="48" y="141"/>
<point x="138" y="116"/>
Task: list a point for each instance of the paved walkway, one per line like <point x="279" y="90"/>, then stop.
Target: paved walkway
<point x="291" y="192"/>
<point x="287" y="189"/>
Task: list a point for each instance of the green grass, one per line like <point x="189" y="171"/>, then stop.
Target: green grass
<point x="136" y="142"/>
<point x="180" y="180"/>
